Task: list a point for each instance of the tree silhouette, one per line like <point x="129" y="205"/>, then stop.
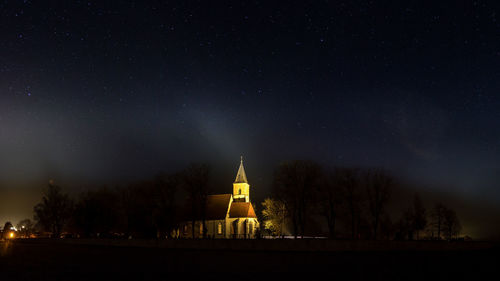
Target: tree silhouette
<point x="96" y="212"/>
<point x="378" y="189"/>
<point x="195" y="181"/>
<point x="137" y="206"/>
<point x="164" y="214"/>
<point x="25" y="228"/>
<point x="451" y="224"/>
<point x="295" y="183"/>
<point x="386" y="227"/>
<point x="353" y="197"/>
<point x="406" y="225"/>
<point x="420" y="215"/>
<point x="53" y="212"/>
<point x="329" y="196"/>
<point x="437" y="219"/>
<point x="6" y="228"/>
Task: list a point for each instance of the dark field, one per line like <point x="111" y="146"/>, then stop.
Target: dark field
<point x="49" y="260"/>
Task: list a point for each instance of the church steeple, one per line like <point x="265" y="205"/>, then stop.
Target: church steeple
<point x="241" y="188"/>
<point x="241" y="177"/>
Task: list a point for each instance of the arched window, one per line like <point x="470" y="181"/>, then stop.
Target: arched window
<point x="219" y="228"/>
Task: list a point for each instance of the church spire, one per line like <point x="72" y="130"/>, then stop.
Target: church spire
<point x="241" y="177"/>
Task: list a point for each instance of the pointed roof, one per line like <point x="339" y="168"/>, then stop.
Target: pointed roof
<point x="241" y="177"/>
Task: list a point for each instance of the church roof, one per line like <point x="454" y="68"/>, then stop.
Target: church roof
<point x="241" y="177"/>
<point x="217" y="206"/>
<point x="242" y="210"/>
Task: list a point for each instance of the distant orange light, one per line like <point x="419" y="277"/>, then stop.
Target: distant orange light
<point x="11" y="235"/>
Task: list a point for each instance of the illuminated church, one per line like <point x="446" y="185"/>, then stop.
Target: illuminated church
<point x="227" y="215"/>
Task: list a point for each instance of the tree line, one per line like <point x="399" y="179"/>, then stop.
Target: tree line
<point x="146" y="209"/>
<point x="305" y="196"/>
<point x="350" y="203"/>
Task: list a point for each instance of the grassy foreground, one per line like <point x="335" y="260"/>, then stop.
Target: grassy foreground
<point x="62" y="260"/>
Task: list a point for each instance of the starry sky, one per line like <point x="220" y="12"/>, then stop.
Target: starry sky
<point x="103" y="92"/>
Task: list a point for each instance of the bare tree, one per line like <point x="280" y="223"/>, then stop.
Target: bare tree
<point x="54" y="210"/>
<point x="164" y="213"/>
<point x="452" y="226"/>
<point x="437" y="219"/>
<point x="353" y="197"/>
<point x="295" y="183"/>
<point x="136" y="208"/>
<point x="96" y="212"/>
<point x="378" y="189"/>
<point x="420" y="215"/>
<point x="195" y="181"/>
<point x="386" y="227"/>
<point x="329" y="197"/>
<point x="406" y="225"/>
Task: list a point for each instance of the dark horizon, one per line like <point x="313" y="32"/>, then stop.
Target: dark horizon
<point x="478" y="218"/>
<point x="98" y="94"/>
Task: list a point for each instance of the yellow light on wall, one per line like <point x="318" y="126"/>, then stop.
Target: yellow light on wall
<point x="11" y="234"/>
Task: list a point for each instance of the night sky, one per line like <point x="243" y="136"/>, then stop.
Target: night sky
<point x="96" y="93"/>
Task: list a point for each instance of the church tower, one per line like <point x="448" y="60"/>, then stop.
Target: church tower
<point x="241" y="188"/>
